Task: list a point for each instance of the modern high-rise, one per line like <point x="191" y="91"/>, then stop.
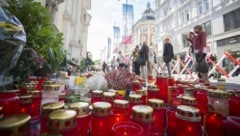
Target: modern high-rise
<point x="219" y="18"/>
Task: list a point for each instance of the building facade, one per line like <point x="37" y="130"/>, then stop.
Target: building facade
<point x="144" y="29"/>
<point x="219" y="18"/>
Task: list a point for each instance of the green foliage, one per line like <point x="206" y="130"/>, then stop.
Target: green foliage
<point x="42" y="35"/>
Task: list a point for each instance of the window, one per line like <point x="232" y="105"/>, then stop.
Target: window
<point x="200" y="7"/>
<point x="207" y="28"/>
<point x="232" y="20"/>
<point x="206" y="3"/>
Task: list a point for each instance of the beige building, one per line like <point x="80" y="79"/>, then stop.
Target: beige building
<point x="144" y="29"/>
<point x="219" y="18"/>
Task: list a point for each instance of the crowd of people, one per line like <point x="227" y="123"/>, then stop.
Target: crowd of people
<point x="143" y="57"/>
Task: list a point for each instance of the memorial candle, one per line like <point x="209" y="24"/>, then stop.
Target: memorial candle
<point x="10" y="102"/>
<point x="213" y="124"/>
<point x="96" y="96"/>
<point x="127" y="129"/>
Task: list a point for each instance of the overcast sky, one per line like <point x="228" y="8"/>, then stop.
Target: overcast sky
<point x="106" y="13"/>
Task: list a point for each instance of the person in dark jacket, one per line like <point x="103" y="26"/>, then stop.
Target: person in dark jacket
<point x="143" y="54"/>
<point x="168" y="54"/>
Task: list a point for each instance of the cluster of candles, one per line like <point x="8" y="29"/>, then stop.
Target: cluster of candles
<point x="169" y="107"/>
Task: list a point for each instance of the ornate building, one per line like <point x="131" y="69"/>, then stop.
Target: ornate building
<point x="144" y="28"/>
<point x="219" y="18"/>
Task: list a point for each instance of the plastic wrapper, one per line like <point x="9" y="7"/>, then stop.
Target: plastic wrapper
<point x="12" y="42"/>
<point x="96" y="82"/>
<point x="119" y="79"/>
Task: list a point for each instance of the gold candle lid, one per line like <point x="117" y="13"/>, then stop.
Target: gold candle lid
<point x="219" y="94"/>
<point x="121" y="104"/>
<point x="47" y="108"/>
<point x="48" y="82"/>
<point x="189" y="100"/>
<point x="156" y="103"/>
<point x="152" y="88"/>
<point x="25" y="99"/>
<point x="141" y="92"/>
<point x="62" y="119"/>
<point x="142" y="113"/>
<point x="136" y="82"/>
<point x="135" y="98"/>
<point x="13" y="122"/>
<point x="35" y="94"/>
<point x="9" y="91"/>
<point x="101" y="109"/>
<point x="109" y="96"/>
<point x="29" y="86"/>
<point x="188" y="113"/>
<point x="82" y="108"/>
<point x="97" y="93"/>
<point x="51" y="87"/>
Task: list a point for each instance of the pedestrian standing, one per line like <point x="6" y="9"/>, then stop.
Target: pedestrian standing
<point x="200" y="51"/>
<point x="120" y="59"/>
<point x="168" y="54"/>
<point x="104" y="67"/>
<point x="150" y="63"/>
<point x="142" y="60"/>
<point x="135" y="66"/>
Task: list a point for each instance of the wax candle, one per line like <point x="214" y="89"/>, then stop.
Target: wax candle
<point x="162" y="83"/>
<point x="188" y="121"/>
<point x="15" y="125"/>
<point x="134" y="99"/>
<point x="109" y="97"/>
<point x="127" y="129"/>
<point x="100" y="125"/>
<point x="218" y="102"/>
<point x="25" y="104"/>
<point x="158" y="116"/>
<point x="96" y="96"/>
<point x="47" y="108"/>
<point x="152" y="91"/>
<point x="143" y="115"/>
<point x="213" y="124"/>
<point x="36" y="103"/>
<point x="64" y="122"/>
<point x="122" y="105"/>
<point x="83" y="116"/>
<point x="143" y="94"/>
<point x="10" y="102"/>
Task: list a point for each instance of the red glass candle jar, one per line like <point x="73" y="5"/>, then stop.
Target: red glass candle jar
<point x="62" y="97"/>
<point x="234" y="104"/>
<point x="162" y="83"/>
<point x="233" y="125"/>
<point x="109" y="97"/>
<point x="47" y="108"/>
<point x="100" y="125"/>
<point x="8" y="100"/>
<point x="127" y="129"/>
<point x="213" y="124"/>
<point x="143" y="115"/>
<point x="96" y="96"/>
<point x="15" y="125"/>
<point x="218" y="102"/>
<point x="25" y="104"/>
<point x="83" y="116"/>
<point x="171" y="81"/>
<point x="143" y="94"/>
<point x="36" y="103"/>
<point x="202" y="102"/>
<point x="188" y="121"/>
<point x="188" y="100"/>
<point x="172" y="93"/>
<point x="119" y="116"/>
<point x="136" y="85"/>
<point x="122" y="105"/>
<point x="64" y="122"/>
<point x="152" y="91"/>
<point x="171" y="122"/>
<point x="134" y="99"/>
<point x="181" y="88"/>
<point x="158" y="117"/>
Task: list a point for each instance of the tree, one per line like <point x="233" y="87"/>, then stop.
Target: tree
<point x="42" y="35"/>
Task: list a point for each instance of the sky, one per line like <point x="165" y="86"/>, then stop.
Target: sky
<point x="105" y="14"/>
